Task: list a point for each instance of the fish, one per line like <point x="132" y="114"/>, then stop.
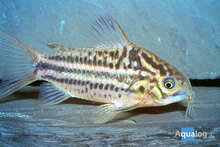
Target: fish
<point x="113" y="71"/>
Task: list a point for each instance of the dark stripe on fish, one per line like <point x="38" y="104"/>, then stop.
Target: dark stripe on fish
<point x="161" y="92"/>
<point x="102" y="61"/>
<point x="66" y="80"/>
<point x="133" y="57"/>
<point x="123" y="55"/>
<point x="150" y="61"/>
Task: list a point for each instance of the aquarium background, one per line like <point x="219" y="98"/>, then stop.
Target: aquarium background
<point x="183" y="32"/>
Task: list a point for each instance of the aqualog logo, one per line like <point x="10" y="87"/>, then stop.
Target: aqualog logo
<point x="189" y="134"/>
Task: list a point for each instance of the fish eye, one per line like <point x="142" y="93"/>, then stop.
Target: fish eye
<point x="142" y="89"/>
<point x="169" y="83"/>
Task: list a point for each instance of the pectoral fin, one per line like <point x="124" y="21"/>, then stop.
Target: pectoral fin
<point x="106" y="112"/>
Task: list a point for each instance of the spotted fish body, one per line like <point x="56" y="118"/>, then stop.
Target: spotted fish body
<point x="116" y="72"/>
<point x="102" y="74"/>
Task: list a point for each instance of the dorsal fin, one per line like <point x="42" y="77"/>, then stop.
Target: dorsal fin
<point x="105" y="31"/>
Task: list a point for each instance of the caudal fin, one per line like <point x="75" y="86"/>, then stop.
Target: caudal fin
<point x="20" y="64"/>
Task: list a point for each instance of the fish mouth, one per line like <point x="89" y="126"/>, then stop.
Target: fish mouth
<point x="176" y="97"/>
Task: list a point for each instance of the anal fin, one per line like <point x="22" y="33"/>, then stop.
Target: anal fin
<point x="106" y="112"/>
<point x="51" y="94"/>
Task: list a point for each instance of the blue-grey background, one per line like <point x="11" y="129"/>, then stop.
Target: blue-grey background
<point x="186" y="33"/>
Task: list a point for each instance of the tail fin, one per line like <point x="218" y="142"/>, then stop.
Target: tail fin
<point x="20" y="64"/>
